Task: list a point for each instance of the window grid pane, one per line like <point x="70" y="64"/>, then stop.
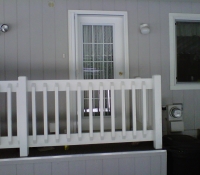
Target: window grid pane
<point x="97" y="62"/>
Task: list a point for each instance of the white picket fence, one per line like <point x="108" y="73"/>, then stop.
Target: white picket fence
<point x="23" y="86"/>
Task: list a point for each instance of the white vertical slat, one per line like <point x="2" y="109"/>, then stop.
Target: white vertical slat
<point x="60" y="9"/>
<point x="143" y="15"/>
<point x="22" y="116"/>
<point x="79" y="110"/>
<point x="85" y="5"/>
<point x="2" y="47"/>
<point x="36" y="41"/>
<point x="10" y="43"/>
<point x="139" y="105"/>
<point x="23" y="38"/>
<point x="155" y="39"/>
<point x="101" y="111"/>
<point x="134" y="109"/>
<point x="123" y="110"/>
<point x="157" y="112"/>
<point x="144" y="108"/>
<point x="49" y="46"/>
<point x="33" y="89"/>
<point x="68" y="109"/>
<point x="0" y="122"/>
<point x="45" y="112"/>
<point x="96" y="5"/>
<point x="112" y="110"/>
<point x="90" y="111"/>
<point x="56" y="112"/>
<point x="165" y="8"/>
<point x="148" y="109"/>
<point x="9" y="112"/>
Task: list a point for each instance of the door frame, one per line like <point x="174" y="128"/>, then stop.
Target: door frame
<point x="72" y="16"/>
<point x="73" y="53"/>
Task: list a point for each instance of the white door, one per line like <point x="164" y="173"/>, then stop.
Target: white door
<point x="100" y="54"/>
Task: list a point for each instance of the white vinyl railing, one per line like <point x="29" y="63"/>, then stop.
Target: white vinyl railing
<point x="23" y="87"/>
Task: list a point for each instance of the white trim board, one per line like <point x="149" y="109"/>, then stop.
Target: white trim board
<point x="173" y="17"/>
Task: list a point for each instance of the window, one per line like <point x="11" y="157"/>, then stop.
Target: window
<point x="184" y="51"/>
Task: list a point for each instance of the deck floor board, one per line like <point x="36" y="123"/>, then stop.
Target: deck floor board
<point x="79" y="149"/>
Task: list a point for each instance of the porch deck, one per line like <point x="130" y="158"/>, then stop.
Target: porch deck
<point x="79" y="149"/>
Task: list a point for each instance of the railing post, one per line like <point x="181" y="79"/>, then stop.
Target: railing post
<point x="157" y="123"/>
<point x="22" y="116"/>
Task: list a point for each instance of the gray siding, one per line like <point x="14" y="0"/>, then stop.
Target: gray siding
<point x="38" y="38"/>
<point x="137" y="163"/>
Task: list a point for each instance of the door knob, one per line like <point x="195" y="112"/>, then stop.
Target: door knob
<point x="120" y="73"/>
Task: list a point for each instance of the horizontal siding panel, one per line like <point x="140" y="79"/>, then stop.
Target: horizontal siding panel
<point x="60" y="168"/>
<point x="126" y="166"/>
<point x="42" y="168"/>
<point x="25" y="169"/>
<point x="94" y="167"/>
<point x="110" y="166"/>
<point x="77" y="167"/>
<point x="142" y="166"/>
<point x="8" y="169"/>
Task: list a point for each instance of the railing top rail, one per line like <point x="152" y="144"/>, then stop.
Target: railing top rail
<point x="4" y="85"/>
<point x="84" y="84"/>
<point x="74" y="84"/>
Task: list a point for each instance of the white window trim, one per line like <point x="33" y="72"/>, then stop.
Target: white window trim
<point x="72" y="15"/>
<point x="173" y="17"/>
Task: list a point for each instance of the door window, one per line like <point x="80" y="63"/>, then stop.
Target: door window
<point x="97" y="63"/>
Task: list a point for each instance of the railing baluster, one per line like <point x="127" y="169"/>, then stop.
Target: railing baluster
<point x="149" y="108"/>
<point x="0" y="122"/>
<point x="123" y="110"/>
<point x="144" y="108"/>
<point x="90" y="111"/>
<point x="9" y="112"/>
<point x="68" y="110"/>
<point x="45" y="112"/>
<point x="101" y="111"/>
<point x="79" y="110"/>
<point x="56" y="112"/>
<point x="138" y="94"/>
<point x="33" y="89"/>
<point x="112" y="110"/>
<point x="134" y="109"/>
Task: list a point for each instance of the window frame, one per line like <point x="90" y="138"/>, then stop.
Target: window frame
<point x="72" y="15"/>
<point x="173" y="18"/>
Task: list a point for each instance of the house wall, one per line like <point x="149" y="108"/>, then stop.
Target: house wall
<point x="36" y="45"/>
